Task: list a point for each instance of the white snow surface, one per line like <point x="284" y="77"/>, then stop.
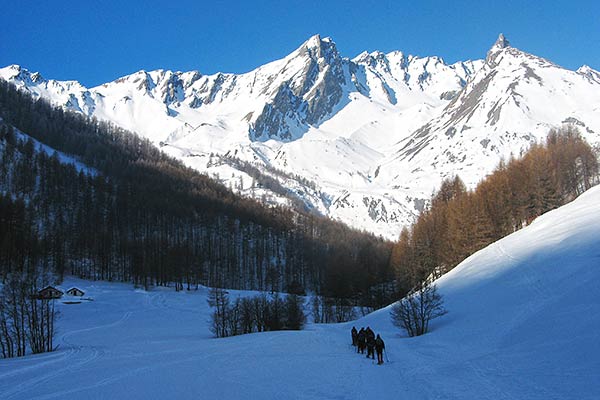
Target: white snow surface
<point x="523" y="323"/>
<point x="385" y="129"/>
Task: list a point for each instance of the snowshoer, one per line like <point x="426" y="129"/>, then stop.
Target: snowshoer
<point x="354" y="336"/>
<point x="369" y="332"/>
<point x="370" y="342"/>
<point x="379" y="347"/>
<point x="361" y="339"/>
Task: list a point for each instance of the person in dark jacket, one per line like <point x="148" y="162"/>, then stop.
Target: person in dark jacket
<point x="370" y="342"/>
<point x="379" y="346"/>
<point x="361" y="340"/>
<point x="369" y="332"/>
<point x="354" y="336"/>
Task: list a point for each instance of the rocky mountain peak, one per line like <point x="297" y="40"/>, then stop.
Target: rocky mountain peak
<point x="18" y="73"/>
<point x="316" y="41"/>
<point x="313" y="42"/>
<point x="313" y="89"/>
<point x="589" y="73"/>
<point x="318" y="48"/>
<point x="502" y="42"/>
<point x="14" y="67"/>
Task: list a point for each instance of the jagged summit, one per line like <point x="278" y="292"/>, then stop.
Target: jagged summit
<point x="317" y="47"/>
<point x="313" y="41"/>
<point x="316" y="41"/>
<point x="502" y="42"/>
<point x="499" y="46"/>
<point x="589" y="73"/>
<point x="13" y="67"/>
<point x="18" y="72"/>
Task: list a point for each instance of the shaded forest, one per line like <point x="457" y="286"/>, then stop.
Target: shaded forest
<point x="459" y="222"/>
<point x="139" y="215"/>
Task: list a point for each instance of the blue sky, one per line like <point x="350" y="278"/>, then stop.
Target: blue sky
<point x="98" y="41"/>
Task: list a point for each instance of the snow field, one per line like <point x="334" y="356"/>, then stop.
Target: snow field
<point x="523" y="323"/>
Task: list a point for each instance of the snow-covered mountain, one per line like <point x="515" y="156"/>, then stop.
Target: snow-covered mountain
<point x="522" y="323"/>
<point x="511" y="102"/>
<point x="364" y="140"/>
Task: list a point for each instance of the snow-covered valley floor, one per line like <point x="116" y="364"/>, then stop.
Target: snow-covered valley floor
<point x="523" y="323"/>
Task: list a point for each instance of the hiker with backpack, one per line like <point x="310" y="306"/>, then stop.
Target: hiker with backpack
<point x="354" y="336"/>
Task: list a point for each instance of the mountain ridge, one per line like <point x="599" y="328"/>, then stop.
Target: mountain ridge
<point x="376" y="134"/>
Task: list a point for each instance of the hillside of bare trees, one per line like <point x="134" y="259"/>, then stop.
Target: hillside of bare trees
<point x="460" y="222"/>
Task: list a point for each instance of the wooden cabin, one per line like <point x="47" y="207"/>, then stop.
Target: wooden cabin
<point x="75" y="292"/>
<point x="49" y="292"/>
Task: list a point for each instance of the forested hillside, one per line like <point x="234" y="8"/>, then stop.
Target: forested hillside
<point x="144" y="217"/>
<point x="460" y="222"/>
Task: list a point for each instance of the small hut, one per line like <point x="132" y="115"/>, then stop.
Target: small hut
<point x="49" y="292"/>
<point x="75" y="292"/>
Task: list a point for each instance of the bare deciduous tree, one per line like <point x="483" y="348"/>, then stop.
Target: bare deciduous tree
<point x="26" y="321"/>
<point x="414" y="312"/>
<point x="219" y="300"/>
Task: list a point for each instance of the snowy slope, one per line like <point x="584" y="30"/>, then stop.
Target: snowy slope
<point x="523" y="323"/>
<point x="373" y="136"/>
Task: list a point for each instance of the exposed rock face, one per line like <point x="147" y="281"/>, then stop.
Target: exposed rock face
<point x="308" y="97"/>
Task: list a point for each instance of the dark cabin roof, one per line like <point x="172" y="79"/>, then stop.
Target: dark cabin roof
<point x="75" y="290"/>
<point x="50" y="292"/>
<point x="47" y="288"/>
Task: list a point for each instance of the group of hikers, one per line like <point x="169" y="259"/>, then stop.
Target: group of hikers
<point x="365" y="339"/>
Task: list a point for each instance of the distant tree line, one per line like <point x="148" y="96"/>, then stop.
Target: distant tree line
<point x="260" y="313"/>
<point x="459" y="222"/>
<point x="138" y="215"/>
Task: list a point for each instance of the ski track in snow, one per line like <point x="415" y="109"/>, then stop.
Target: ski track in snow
<point x="71" y="357"/>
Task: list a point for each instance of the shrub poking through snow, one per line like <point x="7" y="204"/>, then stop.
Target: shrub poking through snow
<point x="420" y="306"/>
